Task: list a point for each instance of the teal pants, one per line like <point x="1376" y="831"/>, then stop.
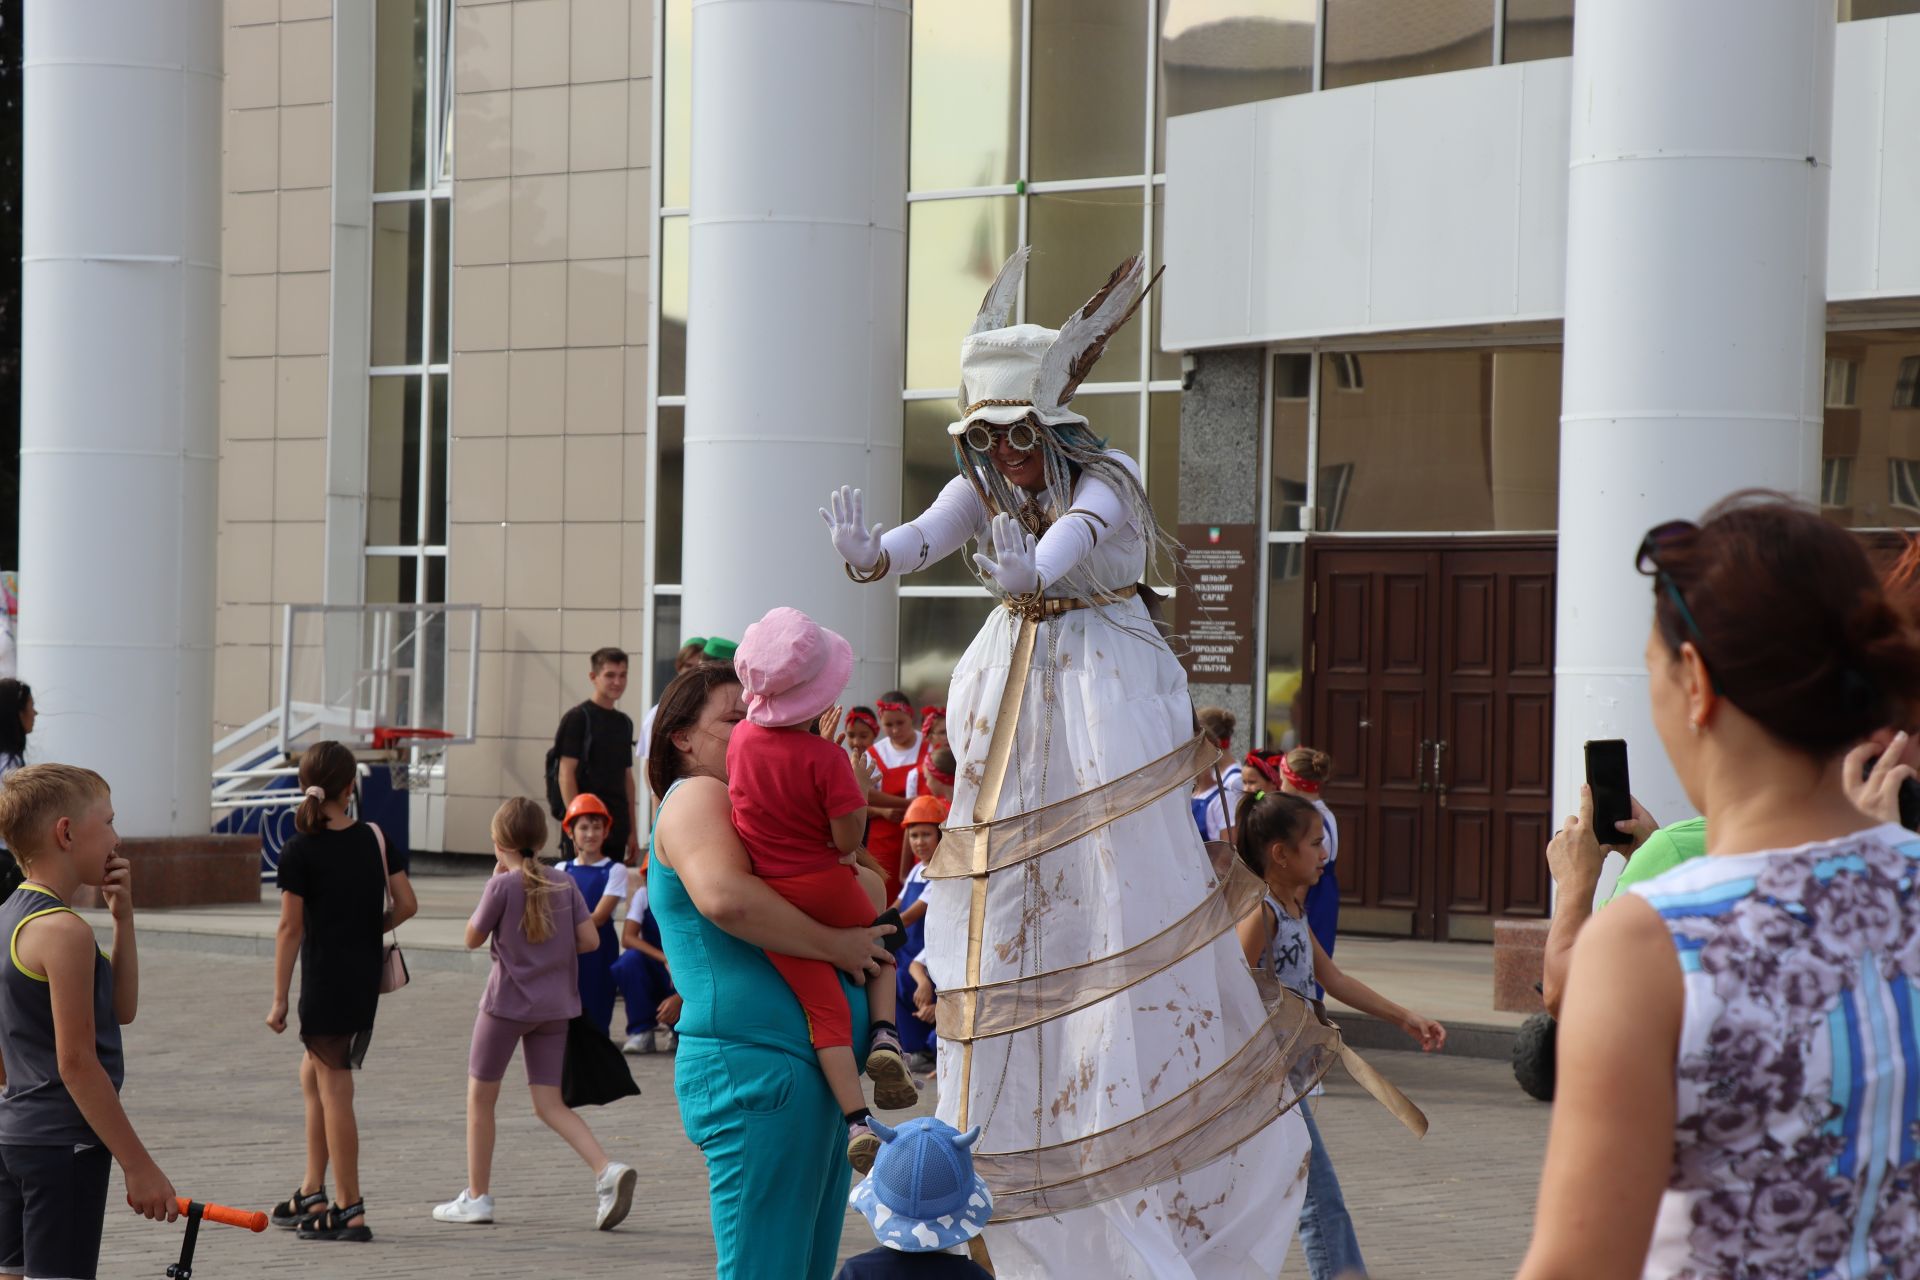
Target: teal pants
<point x="776" y="1149"/>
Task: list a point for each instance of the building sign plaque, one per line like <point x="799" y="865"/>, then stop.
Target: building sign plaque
<point x="1216" y="599"/>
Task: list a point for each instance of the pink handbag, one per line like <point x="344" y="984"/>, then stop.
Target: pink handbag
<point x="393" y="965"/>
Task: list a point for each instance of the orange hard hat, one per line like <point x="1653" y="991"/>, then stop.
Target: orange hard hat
<point x="927" y="809"/>
<point x="585" y="802"/>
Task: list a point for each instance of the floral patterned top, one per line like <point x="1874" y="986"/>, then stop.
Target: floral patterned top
<point x="1797" y="1135"/>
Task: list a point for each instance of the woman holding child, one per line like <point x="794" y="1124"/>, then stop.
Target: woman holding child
<point x="752" y="1095"/>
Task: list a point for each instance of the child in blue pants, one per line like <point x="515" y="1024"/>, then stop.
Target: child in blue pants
<point x="603" y="883"/>
<point x="921" y="825"/>
<point x="641" y="974"/>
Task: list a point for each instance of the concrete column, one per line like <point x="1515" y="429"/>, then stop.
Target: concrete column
<point x="1219" y="436"/>
<point x="796" y="309"/>
<point x="1696" y="296"/>
<point x="119" y="434"/>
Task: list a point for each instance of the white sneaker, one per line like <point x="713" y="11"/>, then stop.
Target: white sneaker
<point x="465" y="1208"/>
<point x="666" y="1040"/>
<point x="638" y="1044"/>
<point x="615" y="1185"/>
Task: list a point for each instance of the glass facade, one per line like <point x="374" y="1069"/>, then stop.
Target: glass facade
<point x="1870" y="447"/>
<point x="407" y="442"/>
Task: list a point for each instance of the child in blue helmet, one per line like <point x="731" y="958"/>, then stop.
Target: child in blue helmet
<point x="924" y="1201"/>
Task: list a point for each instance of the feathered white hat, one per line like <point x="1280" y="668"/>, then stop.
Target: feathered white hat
<point x="1008" y="372"/>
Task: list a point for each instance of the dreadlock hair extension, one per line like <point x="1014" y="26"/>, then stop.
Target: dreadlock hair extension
<point x="520" y="825"/>
<point x="1266" y="817"/>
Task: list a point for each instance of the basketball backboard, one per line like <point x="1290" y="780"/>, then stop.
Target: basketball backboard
<point x="356" y="672"/>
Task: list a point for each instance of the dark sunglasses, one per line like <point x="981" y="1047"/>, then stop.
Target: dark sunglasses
<point x="1647" y="560"/>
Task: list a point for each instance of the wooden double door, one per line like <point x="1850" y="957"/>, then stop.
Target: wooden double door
<point x="1431" y="671"/>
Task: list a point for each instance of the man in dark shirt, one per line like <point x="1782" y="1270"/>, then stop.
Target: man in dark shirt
<point x="596" y="752"/>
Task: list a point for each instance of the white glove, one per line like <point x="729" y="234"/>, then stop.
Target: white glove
<point x="858" y="545"/>
<point x="1011" y="565"/>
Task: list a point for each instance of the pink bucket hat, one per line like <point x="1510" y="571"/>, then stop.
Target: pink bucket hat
<point x="791" y="668"/>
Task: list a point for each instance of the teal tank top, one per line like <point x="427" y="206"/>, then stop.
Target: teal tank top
<point x="731" y="991"/>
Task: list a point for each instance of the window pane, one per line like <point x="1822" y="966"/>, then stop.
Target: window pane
<point x="1289" y="449"/>
<point x="1439" y="440"/>
<point x="1538" y="29"/>
<point x="1089" y="88"/>
<point x="398" y="257"/>
<point x="666" y="643"/>
<point x="669" y="492"/>
<point x="1369" y="40"/>
<point x="393" y="462"/>
<point x="400" y="95"/>
<point x="1870" y="448"/>
<point x="928" y="459"/>
<point x="1163" y="364"/>
<point x="965" y="94"/>
<point x="1079" y="237"/>
<point x="442" y="252"/>
<point x="1286" y="643"/>
<point x="1221" y="53"/>
<point x="1163" y="468"/>
<point x="933" y="635"/>
<point x="435" y="534"/>
<point x="676" y="107"/>
<point x="673" y="307"/>
<point x="955" y="248"/>
<point x="390" y="579"/>
<point x="1855" y="10"/>
<point x="443" y="75"/>
<point x="1115" y="418"/>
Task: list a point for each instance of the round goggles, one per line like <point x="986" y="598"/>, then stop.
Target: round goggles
<point x="1021" y="437"/>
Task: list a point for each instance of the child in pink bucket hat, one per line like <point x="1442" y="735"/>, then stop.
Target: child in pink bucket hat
<point x="798" y="811"/>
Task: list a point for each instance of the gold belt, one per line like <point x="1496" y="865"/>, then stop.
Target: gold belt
<point x="1035" y="607"/>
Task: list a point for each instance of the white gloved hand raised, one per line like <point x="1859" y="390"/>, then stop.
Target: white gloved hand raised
<point x="858" y="545"/>
<point x="1012" y="563"/>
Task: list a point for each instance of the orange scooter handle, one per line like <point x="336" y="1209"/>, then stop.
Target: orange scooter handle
<point x="250" y="1219"/>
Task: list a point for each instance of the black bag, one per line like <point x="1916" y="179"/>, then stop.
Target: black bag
<point x="595" y="1073"/>
<point x="556" y="802"/>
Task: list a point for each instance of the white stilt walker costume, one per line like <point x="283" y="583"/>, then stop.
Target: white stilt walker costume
<point x="1098" y="1018"/>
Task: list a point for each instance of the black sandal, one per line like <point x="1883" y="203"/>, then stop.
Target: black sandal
<point x="298" y="1207"/>
<point x="331" y="1224"/>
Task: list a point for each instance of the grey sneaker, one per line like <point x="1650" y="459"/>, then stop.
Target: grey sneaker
<point x="615" y="1186"/>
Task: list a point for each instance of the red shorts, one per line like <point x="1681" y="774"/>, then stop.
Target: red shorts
<point x="833" y="896"/>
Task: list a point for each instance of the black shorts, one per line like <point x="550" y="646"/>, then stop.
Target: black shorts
<point x="53" y="1202"/>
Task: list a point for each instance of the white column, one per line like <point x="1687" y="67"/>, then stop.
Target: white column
<point x="119" y="436"/>
<point x="796" y="309"/>
<point x="1696" y="302"/>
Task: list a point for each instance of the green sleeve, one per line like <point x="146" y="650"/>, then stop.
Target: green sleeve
<point x="1664" y="850"/>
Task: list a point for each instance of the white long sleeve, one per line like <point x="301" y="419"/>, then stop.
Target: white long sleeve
<point x="939" y="531"/>
<point x="1097" y="513"/>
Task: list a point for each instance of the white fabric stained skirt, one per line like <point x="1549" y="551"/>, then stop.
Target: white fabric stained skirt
<point x="1105" y="697"/>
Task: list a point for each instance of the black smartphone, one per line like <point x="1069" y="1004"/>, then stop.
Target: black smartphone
<point x="1612" y="795"/>
<point x="1909" y="798"/>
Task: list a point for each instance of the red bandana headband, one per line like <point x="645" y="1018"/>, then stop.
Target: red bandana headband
<point x="944" y="779"/>
<point x="1304" y="786"/>
<point x="928" y="716"/>
<point x="857" y="716"/>
<point x="885" y="707"/>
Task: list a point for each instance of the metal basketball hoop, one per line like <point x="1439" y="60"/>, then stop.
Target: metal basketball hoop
<point x="415" y="754"/>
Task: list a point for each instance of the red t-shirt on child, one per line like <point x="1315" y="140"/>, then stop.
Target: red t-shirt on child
<point x="787" y="785"/>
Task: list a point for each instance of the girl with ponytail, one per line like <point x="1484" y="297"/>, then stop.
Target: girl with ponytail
<point x="1280" y="837"/>
<point x="535" y="924"/>
<point x="340" y="890"/>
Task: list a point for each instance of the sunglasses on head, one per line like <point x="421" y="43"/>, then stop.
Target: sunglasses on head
<point x="1647" y="560"/>
<point x="1021" y="437"/>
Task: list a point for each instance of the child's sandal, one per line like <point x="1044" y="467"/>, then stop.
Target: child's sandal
<point x="298" y="1207"/>
<point x="331" y="1224"/>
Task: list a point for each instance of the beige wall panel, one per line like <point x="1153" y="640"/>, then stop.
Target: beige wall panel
<point x="584" y="630"/>
<point x="306" y="62"/>
<point x="306" y="146"/>
<point x="633" y="486"/>
<point x="537" y="393"/>
<point x="481" y="228"/>
<point x="599" y="40"/>
<point x="639" y="123"/>
<point x="524" y="768"/>
<point x="479" y="309"/>
<point x="597" y="312"/>
<point x="244" y="563"/>
<point x="640" y="38"/>
<point x="532" y="697"/>
<point x="479" y="394"/>
<point x="304" y="306"/>
<point x="598" y="126"/>
<point x="253" y="149"/>
<point x="306" y="230"/>
<point x="246" y="480"/>
<point x="540" y="130"/>
<point x="636" y="357"/>
<point x="477" y="565"/>
<point x="592" y="478"/>
<point x="468" y="816"/>
<point x="533" y="560"/>
<point x="301" y="400"/>
<point x="249" y="318"/>
<point x="296" y="10"/>
<point x="483" y="49"/>
<point x="246" y="399"/>
<point x="298" y="552"/>
<point x="636" y="572"/>
<point x="595" y="399"/>
<point x="539" y="317"/>
<point x="636" y="296"/>
<point x="536" y="490"/>
<point x="530" y="630"/>
<point x="253" y="67"/>
<point x="243" y="624"/>
<point x="592" y="577"/>
<point x="477" y="487"/>
<point x="639" y="212"/>
<point x="483" y="123"/>
<point x="300" y="480"/>
<point x="242" y="683"/>
<point x="597" y="214"/>
<point x="541" y="36"/>
<point x="241" y="13"/>
<point x="248" y="246"/>
<point x="479" y="770"/>
<point x="539" y="214"/>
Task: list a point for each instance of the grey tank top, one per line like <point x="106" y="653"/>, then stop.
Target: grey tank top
<point x="36" y="1110"/>
<point x="1289" y="953"/>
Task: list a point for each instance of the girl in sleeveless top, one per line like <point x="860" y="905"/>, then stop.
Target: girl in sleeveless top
<point x="1282" y="839"/>
<point x="1736" y="1092"/>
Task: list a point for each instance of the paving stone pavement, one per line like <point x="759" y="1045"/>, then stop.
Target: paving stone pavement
<point x="214" y="1095"/>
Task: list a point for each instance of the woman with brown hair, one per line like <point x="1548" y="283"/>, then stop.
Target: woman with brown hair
<point x="339" y="892"/>
<point x="751" y="1093"/>
<point x="1735" y="1032"/>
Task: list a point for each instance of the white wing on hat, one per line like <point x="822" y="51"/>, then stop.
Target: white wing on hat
<point x="1084" y="336"/>
<point x="996" y="309"/>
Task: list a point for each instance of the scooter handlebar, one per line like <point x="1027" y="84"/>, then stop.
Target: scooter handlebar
<point x="250" y="1219"/>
